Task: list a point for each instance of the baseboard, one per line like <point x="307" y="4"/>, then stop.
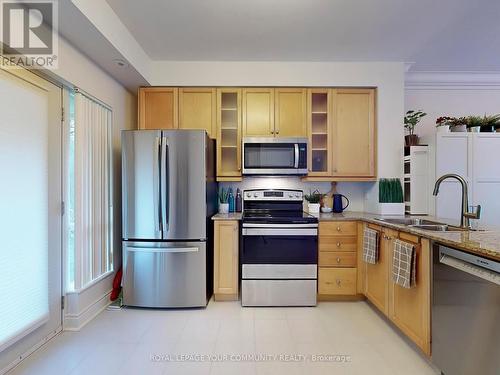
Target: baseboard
<point x="347" y="298"/>
<point x="226" y="297"/>
<point x="75" y="322"/>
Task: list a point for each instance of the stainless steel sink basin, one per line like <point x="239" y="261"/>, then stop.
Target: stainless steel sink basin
<point x="438" y="227"/>
<point x="410" y="221"/>
<point x="422" y="224"/>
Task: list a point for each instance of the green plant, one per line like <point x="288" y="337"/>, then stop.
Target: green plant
<point x="313" y="197"/>
<point x="412" y="118"/>
<point x="492" y="121"/>
<point x="223" y="195"/>
<point x="473" y="121"/>
<point x="451" y="121"/>
<point x="390" y="190"/>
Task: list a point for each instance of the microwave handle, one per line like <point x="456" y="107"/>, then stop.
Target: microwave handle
<point x="296" y="147"/>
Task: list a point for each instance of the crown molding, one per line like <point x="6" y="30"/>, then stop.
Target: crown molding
<point x="472" y="80"/>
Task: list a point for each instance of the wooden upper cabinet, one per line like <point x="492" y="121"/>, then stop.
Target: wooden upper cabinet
<point x="290" y="112"/>
<point x="258" y="112"/>
<point x="319" y="104"/>
<point x="229" y="134"/>
<point x="157" y="108"/>
<point x="197" y="109"/>
<point x="353" y="136"/>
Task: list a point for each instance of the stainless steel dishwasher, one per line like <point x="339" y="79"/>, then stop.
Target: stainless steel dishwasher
<point x="465" y="313"/>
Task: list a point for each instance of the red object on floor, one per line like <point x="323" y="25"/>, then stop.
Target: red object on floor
<point x="116" y="285"/>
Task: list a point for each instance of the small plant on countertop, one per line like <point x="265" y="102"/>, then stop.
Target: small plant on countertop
<point x="223" y="196"/>
<point x="390" y="190"/>
<point x="412" y="118"/>
<point x="313" y="197"/>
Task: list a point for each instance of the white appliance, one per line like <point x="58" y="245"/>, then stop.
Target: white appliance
<point x="274" y="156"/>
<point x="416" y="180"/>
<point x="475" y="156"/>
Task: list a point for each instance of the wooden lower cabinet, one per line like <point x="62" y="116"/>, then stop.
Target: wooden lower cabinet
<point x="337" y="259"/>
<point x="410" y="309"/>
<point x="336" y="281"/>
<point x="377" y="275"/>
<point x="226" y="236"/>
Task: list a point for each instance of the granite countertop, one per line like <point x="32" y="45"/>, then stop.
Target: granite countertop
<point x="482" y="242"/>
<point x="229" y="216"/>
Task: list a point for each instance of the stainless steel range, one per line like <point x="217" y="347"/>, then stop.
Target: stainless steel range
<point x="279" y="251"/>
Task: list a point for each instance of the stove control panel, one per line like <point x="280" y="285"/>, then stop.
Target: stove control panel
<point x="272" y="195"/>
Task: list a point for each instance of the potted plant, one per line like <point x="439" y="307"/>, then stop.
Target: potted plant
<point x="390" y="197"/>
<point x="223" y="201"/>
<point x="442" y="124"/>
<point x="412" y="118"/>
<point x="490" y="123"/>
<point x="313" y="200"/>
<point x="474" y="124"/>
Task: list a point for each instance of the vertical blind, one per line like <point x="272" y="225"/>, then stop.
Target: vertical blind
<point x="93" y="211"/>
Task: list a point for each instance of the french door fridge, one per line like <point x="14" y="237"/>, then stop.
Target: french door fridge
<point x="169" y="194"/>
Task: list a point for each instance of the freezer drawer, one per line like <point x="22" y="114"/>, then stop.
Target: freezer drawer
<point x="165" y="274"/>
<point x="278" y="292"/>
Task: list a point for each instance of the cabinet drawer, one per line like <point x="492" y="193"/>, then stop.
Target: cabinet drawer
<point x="338" y="243"/>
<point x="338" y="228"/>
<point x="337" y="281"/>
<point x="337" y="258"/>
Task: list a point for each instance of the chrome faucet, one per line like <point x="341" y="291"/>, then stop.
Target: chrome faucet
<point x="466" y="215"/>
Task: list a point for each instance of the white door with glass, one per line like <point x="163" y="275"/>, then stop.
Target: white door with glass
<point x="30" y="213"/>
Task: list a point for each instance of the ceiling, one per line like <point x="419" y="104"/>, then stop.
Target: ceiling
<point x="434" y="35"/>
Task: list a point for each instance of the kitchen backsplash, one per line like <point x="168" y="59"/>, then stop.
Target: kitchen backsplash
<point x="355" y="191"/>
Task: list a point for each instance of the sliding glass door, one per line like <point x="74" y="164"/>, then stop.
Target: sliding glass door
<point x="30" y="213"/>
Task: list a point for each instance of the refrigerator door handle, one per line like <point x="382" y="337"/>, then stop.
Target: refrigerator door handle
<point x="157" y="185"/>
<point x="146" y="249"/>
<point x="165" y="186"/>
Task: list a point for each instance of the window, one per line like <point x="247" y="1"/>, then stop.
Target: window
<point x="89" y="207"/>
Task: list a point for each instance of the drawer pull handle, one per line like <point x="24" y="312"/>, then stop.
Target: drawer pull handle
<point x="338" y="229"/>
<point x="338" y="281"/>
<point x="338" y="244"/>
<point x="338" y="260"/>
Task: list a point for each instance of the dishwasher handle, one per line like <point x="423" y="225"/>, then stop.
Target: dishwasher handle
<point x="465" y="262"/>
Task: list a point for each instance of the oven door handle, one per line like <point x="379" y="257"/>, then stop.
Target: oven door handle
<point x="279" y="232"/>
<point x="279" y="226"/>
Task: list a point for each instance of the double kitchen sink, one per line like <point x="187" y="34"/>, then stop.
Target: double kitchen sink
<point x="422" y="224"/>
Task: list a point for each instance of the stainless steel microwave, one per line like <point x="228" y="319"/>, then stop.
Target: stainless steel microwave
<point x="274" y="156"/>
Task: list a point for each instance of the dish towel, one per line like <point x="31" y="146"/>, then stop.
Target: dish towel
<point x="370" y="246"/>
<point x="404" y="264"/>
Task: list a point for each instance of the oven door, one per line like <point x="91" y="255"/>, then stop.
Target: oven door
<point x="274" y="156"/>
<point x="279" y="244"/>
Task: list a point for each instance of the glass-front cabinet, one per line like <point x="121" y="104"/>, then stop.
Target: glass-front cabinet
<point x="319" y="129"/>
<point x="229" y="134"/>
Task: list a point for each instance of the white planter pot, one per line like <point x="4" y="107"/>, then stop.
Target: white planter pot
<point x="443" y="129"/>
<point x="313" y="208"/>
<point x="223" y="208"/>
<point x="391" y="209"/>
<point x="458" y="129"/>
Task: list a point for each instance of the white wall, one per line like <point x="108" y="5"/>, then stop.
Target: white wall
<point x="76" y="69"/>
<point x="388" y="77"/>
<point x="445" y="95"/>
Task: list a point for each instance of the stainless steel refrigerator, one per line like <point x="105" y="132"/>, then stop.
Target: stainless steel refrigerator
<point x="169" y="194"/>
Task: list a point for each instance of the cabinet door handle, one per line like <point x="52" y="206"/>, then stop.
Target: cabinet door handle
<point x="338" y="281"/>
<point x="338" y="260"/>
<point x="339" y="244"/>
<point x="338" y="229"/>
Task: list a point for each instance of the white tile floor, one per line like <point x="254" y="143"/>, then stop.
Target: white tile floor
<point x="122" y="342"/>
